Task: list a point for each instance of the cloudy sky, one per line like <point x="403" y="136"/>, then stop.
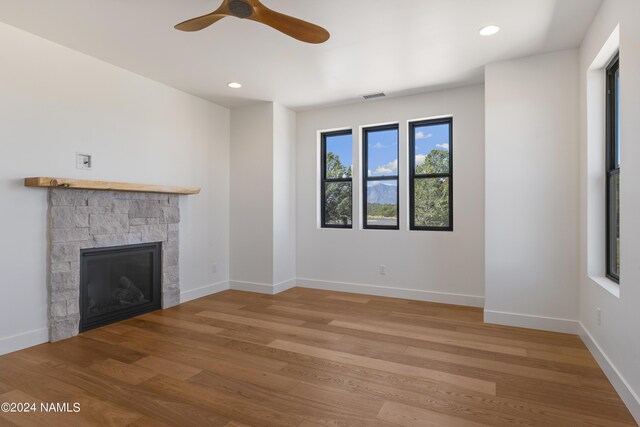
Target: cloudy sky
<point x="383" y="148"/>
<point x="341" y="146"/>
<point x="428" y="138"/>
<point x="383" y="153"/>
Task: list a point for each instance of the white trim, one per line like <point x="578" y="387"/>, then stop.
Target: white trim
<point x="23" y="340"/>
<point x="385" y="291"/>
<point x="553" y="324"/>
<point x="283" y="286"/>
<point x="262" y="288"/>
<point x="203" y="291"/>
<point x="607" y="51"/>
<point x="626" y="393"/>
<point x="607" y="284"/>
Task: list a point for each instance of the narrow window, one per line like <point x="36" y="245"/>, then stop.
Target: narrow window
<point x="613" y="170"/>
<point x="380" y="183"/>
<point x="431" y="175"/>
<point x="336" y="186"/>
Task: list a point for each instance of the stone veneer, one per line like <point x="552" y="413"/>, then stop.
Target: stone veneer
<point x="81" y="219"/>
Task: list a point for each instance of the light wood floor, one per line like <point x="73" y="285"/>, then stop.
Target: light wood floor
<point x="312" y="358"/>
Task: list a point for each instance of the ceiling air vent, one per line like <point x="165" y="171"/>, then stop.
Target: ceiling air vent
<point x="374" y="95"/>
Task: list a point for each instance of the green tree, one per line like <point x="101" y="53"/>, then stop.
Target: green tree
<point x="437" y="161"/>
<point x="379" y="210"/>
<point x="432" y="194"/>
<point x="337" y="194"/>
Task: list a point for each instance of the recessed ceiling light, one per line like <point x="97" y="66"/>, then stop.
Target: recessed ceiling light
<point x="489" y="30"/>
<point x="234" y="85"/>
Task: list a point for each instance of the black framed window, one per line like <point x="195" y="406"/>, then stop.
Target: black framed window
<point x="336" y="176"/>
<point x="613" y="170"/>
<point x="431" y="175"/>
<point x="380" y="177"/>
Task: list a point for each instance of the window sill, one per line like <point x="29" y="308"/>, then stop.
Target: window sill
<point x="607" y="284"/>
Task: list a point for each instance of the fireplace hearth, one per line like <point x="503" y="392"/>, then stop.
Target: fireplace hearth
<point x="117" y="283"/>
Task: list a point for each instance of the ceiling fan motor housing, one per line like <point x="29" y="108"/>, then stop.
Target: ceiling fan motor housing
<point x="241" y="8"/>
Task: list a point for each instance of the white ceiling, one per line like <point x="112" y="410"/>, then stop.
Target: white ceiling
<point x="394" y="46"/>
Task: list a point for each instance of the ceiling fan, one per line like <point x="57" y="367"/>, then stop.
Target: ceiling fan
<point x="256" y="11"/>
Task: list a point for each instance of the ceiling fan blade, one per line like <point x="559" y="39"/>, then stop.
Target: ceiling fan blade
<point x="293" y="27"/>
<point x="201" y="22"/>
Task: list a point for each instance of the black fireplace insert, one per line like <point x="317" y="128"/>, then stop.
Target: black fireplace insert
<point x="117" y="283"/>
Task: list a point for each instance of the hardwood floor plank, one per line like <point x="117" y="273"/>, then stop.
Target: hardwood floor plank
<point x="237" y="424"/>
<point x="322" y="411"/>
<point x="234" y="407"/>
<point x="360" y="299"/>
<point x="312" y="358"/>
<point x="153" y="404"/>
<point x="396" y="368"/>
<point x="507" y="368"/>
<point x="272" y="326"/>
<point x="150" y="422"/>
<point x="589" y="362"/>
<point x="272" y="381"/>
<point x="183" y="324"/>
<point x="426" y="336"/>
<point x="337" y="398"/>
<point x="199" y="354"/>
<point x="129" y="374"/>
<point x="21" y="374"/>
<point x="166" y="367"/>
<point x="493" y="411"/>
<point x="309" y="314"/>
<point x="405" y="415"/>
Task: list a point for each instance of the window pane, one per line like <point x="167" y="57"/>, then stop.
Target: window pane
<point x="339" y="162"/>
<point x="432" y="149"/>
<point x="382" y="203"/>
<point x="337" y="206"/>
<point x="382" y="152"/>
<point x="431" y="202"/>
<point x="614" y="232"/>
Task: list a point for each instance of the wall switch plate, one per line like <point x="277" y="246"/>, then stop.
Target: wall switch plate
<point x="383" y="269"/>
<point x="214" y="268"/>
<point x="599" y="316"/>
<point x="83" y="161"/>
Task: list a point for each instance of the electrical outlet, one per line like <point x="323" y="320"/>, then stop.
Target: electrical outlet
<point x="599" y="316"/>
<point x="214" y="268"/>
<point x="383" y="269"/>
<point x="83" y="161"/>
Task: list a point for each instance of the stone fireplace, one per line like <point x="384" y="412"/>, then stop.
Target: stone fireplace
<point x="92" y="219"/>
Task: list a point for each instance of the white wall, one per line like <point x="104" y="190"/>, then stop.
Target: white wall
<point x="251" y="205"/>
<point x="284" y="196"/>
<point x="55" y="102"/>
<point x="439" y="266"/>
<point x="616" y="342"/>
<point x="531" y="191"/>
<point x="262" y="198"/>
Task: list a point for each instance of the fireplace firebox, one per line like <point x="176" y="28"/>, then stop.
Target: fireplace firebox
<point x="117" y="283"/>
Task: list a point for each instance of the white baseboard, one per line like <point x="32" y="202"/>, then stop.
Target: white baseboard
<point x="384" y="291"/>
<point x="203" y="291"/>
<point x="552" y="324"/>
<point x="262" y="288"/>
<point x="626" y="393"/>
<point x="23" y="340"/>
<point x="283" y="286"/>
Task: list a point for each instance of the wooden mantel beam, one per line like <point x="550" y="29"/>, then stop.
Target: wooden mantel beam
<point x="107" y="186"/>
